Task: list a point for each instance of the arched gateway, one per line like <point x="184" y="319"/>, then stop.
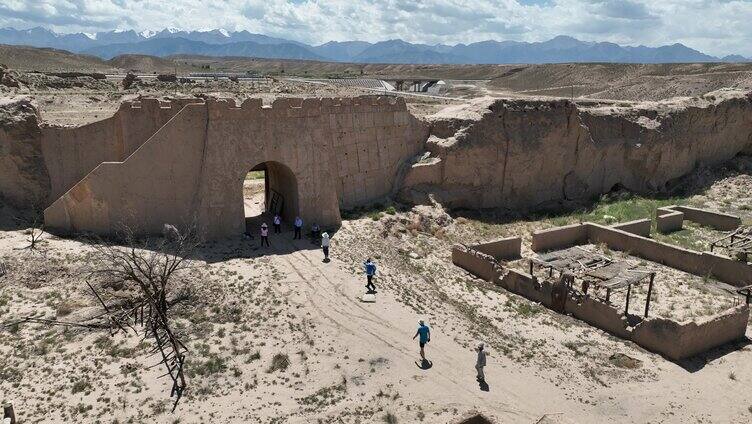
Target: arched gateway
<point x="279" y="195"/>
<point x="335" y="152"/>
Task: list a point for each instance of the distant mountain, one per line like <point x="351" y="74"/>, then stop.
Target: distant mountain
<point x="41" y="37"/>
<point x="398" y="51"/>
<point x="735" y="58"/>
<point x="345" y="51"/>
<point x="220" y="42"/>
<point x="158" y="46"/>
<point x="568" y="49"/>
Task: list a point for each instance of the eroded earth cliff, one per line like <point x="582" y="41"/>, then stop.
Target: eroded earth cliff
<point x="538" y="154"/>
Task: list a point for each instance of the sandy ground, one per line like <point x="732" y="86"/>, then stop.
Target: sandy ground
<point x="348" y="361"/>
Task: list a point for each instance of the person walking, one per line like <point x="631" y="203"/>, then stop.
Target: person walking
<point x="315" y="232"/>
<point x="298" y="228"/>
<point x="325" y="245"/>
<point x="370" y="269"/>
<point x="480" y="362"/>
<point x="264" y="235"/>
<point x="425" y="336"/>
<point x="277" y="224"/>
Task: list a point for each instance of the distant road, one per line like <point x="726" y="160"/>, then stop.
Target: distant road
<point x="190" y="77"/>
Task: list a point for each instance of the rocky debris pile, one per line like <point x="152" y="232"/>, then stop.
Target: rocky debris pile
<point x="129" y="80"/>
<point x="428" y="219"/>
<point x="23" y="173"/>
<point x="93" y="75"/>
<point x="16" y="113"/>
<point x="167" y="77"/>
<point x="8" y="78"/>
<point x="37" y="81"/>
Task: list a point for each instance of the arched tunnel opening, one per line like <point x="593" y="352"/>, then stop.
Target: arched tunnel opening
<point x="269" y="188"/>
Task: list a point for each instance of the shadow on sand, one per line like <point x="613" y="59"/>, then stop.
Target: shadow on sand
<point x="698" y="362"/>
<point x="424" y="364"/>
<point x="249" y="246"/>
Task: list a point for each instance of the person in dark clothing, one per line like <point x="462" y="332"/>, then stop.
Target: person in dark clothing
<point x="264" y="235"/>
<point x="480" y="363"/>
<point x="298" y="228"/>
<point x="315" y="232"/>
<point x="370" y="269"/>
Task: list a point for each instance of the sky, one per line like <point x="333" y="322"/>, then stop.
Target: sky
<point x="716" y="27"/>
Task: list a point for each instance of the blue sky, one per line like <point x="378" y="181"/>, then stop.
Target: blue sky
<point x="717" y="27"/>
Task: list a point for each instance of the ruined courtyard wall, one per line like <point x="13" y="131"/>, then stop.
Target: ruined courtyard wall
<point x="599" y="314"/>
<point x="525" y="285"/>
<point x="732" y="271"/>
<point x="559" y="237"/>
<point x="662" y="253"/>
<point x="683" y="340"/>
<point x="719" y="221"/>
<point x="640" y="227"/>
<point x="479" y="264"/>
<point x="702" y="264"/>
<point x="667" y="220"/>
<point x="536" y="154"/>
<point x="674" y="340"/>
<point x="506" y="248"/>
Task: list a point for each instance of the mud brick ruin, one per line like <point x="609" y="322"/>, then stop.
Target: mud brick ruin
<point x="320" y="154"/>
<point x="564" y="278"/>
<point x="183" y="161"/>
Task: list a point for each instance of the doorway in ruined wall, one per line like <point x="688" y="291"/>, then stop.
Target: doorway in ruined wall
<point x="269" y="188"/>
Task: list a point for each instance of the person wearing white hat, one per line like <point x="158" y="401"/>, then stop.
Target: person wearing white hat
<point x="480" y="362"/>
<point x="264" y="235"/>
<point x="325" y="245"/>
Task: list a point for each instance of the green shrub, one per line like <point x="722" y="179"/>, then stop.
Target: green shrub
<point x="280" y="362"/>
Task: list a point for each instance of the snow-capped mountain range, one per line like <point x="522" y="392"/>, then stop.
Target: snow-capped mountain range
<point x="220" y="42"/>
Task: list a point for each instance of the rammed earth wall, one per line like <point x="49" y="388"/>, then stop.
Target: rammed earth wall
<point x="329" y="154"/>
<point x="674" y="340"/>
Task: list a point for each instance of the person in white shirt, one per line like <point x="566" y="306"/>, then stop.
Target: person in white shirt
<point x="264" y="235"/>
<point x="325" y="245"/>
<point x="277" y="224"/>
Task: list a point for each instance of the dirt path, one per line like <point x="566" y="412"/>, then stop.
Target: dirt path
<point x="385" y="329"/>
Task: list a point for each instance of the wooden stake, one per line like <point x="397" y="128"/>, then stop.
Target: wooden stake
<point x="626" y="308"/>
<point x="650" y="292"/>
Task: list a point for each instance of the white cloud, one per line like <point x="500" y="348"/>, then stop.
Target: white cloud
<point x="713" y="26"/>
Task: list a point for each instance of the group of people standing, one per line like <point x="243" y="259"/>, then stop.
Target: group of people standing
<point x="297" y="233"/>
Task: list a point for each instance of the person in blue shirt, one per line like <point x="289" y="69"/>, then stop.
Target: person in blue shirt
<point x="425" y="336"/>
<point x="370" y="269"/>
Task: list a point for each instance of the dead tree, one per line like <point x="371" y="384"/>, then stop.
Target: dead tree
<point x="136" y="285"/>
<point x="33" y="220"/>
